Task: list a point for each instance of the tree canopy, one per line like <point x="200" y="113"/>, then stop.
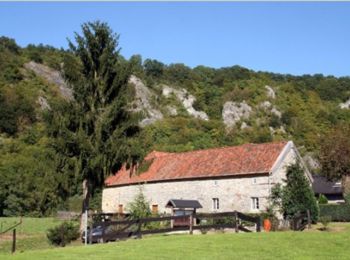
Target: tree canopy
<point x="96" y="130"/>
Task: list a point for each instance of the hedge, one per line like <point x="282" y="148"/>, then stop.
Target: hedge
<point x="337" y="212"/>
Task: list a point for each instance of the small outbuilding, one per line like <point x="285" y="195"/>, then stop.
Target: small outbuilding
<point x="182" y="208"/>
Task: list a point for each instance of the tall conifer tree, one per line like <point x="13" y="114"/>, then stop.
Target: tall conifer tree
<point x="95" y="132"/>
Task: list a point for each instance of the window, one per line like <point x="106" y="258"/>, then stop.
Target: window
<point x="254" y="180"/>
<point x="255" y="203"/>
<point x="215" y="203"/>
<point x="120" y="208"/>
<point x="155" y="209"/>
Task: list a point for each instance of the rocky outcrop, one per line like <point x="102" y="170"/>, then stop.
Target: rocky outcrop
<point x="233" y="112"/>
<point x="44" y="105"/>
<point x="267" y="106"/>
<point x="244" y="125"/>
<point x="345" y="105"/>
<point x="276" y="112"/>
<point x="280" y="130"/>
<point x="270" y="92"/>
<point x="172" y="110"/>
<point x="186" y="99"/>
<point x="142" y="103"/>
<point x="52" y="76"/>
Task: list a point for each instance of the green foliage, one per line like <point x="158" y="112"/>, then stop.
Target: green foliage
<point x="28" y="183"/>
<point x="139" y="207"/>
<point x="296" y="195"/>
<point x="335" y="155"/>
<point x="337" y="212"/>
<point x="63" y="234"/>
<point x="96" y="131"/>
<point x="153" y="68"/>
<point x="325" y="221"/>
<point x="322" y="199"/>
<point x="90" y="132"/>
<point x="16" y="111"/>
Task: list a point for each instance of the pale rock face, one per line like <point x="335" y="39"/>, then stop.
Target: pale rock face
<point x="233" y="112"/>
<point x="276" y="112"/>
<point x="265" y="105"/>
<point x="172" y="110"/>
<point x="44" y="105"/>
<point x="280" y="130"/>
<point x="244" y="125"/>
<point x="270" y="92"/>
<point x="345" y="105"/>
<point x="187" y="101"/>
<point x="142" y="102"/>
<point x="52" y="76"/>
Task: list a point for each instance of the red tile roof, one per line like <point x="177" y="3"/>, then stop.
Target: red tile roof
<point x="217" y="162"/>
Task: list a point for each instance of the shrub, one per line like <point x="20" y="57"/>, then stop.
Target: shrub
<point x="337" y="212"/>
<point x="325" y="221"/>
<point x="139" y="208"/>
<point x="63" y="234"/>
<point x="322" y="199"/>
<point x="297" y="195"/>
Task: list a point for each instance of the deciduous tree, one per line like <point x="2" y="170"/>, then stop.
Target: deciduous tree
<point x="335" y="155"/>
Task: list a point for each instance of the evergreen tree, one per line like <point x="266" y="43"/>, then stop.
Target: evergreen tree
<point x="140" y="207"/>
<point x="297" y="195"/>
<point x="95" y="131"/>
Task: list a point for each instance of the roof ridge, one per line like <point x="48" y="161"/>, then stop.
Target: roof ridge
<point x="217" y="148"/>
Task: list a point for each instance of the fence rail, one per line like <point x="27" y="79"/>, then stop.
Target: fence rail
<point x="123" y="229"/>
<point x="13" y="228"/>
<point x="301" y="220"/>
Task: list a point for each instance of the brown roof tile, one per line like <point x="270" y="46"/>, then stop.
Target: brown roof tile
<point x="217" y="162"/>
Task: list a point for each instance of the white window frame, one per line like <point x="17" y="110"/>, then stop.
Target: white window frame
<point x="255" y="203"/>
<point x="216" y="203"/>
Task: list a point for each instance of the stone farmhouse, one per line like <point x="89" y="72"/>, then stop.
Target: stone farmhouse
<point x="220" y="179"/>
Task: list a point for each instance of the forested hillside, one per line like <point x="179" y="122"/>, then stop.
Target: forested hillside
<point x="182" y="109"/>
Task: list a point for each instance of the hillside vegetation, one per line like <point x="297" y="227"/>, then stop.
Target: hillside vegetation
<point x="183" y="109"/>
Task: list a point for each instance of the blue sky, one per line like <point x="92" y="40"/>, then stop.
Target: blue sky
<point x="296" y="38"/>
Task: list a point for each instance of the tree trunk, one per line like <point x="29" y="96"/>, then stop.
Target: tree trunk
<point x="346" y="185"/>
<point x="86" y="200"/>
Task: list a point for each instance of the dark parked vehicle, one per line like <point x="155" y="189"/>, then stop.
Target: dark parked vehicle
<point x="96" y="236"/>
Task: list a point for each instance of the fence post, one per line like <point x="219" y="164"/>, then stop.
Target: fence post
<point x="103" y="232"/>
<point x="90" y="233"/>
<point x="236" y="222"/>
<point x="139" y="234"/>
<point x="258" y="224"/>
<point x="13" y="241"/>
<point x="308" y="219"/>
<point x="191" y="224"/>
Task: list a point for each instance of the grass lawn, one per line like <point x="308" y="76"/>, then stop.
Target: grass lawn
<point x="31" y="234"/>
<point x="311" y="244"/>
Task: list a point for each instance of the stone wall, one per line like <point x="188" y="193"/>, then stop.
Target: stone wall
<point x="233" y="193"/>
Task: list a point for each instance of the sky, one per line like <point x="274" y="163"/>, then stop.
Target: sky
<point x="296" y="37"/>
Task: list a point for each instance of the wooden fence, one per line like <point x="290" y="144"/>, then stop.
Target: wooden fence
<point x="13" y="228"/>
<point x="123" y="229"/>
<point x="301" y="220"/>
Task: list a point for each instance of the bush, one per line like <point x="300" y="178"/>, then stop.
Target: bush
<point x="338" y="212"/>
<point x="63" y="234"/>
<point x="297" y="195"/>
<point x="325" y="221"/>
<point x="322" y="199"/>
<point x="139" y="208"/>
